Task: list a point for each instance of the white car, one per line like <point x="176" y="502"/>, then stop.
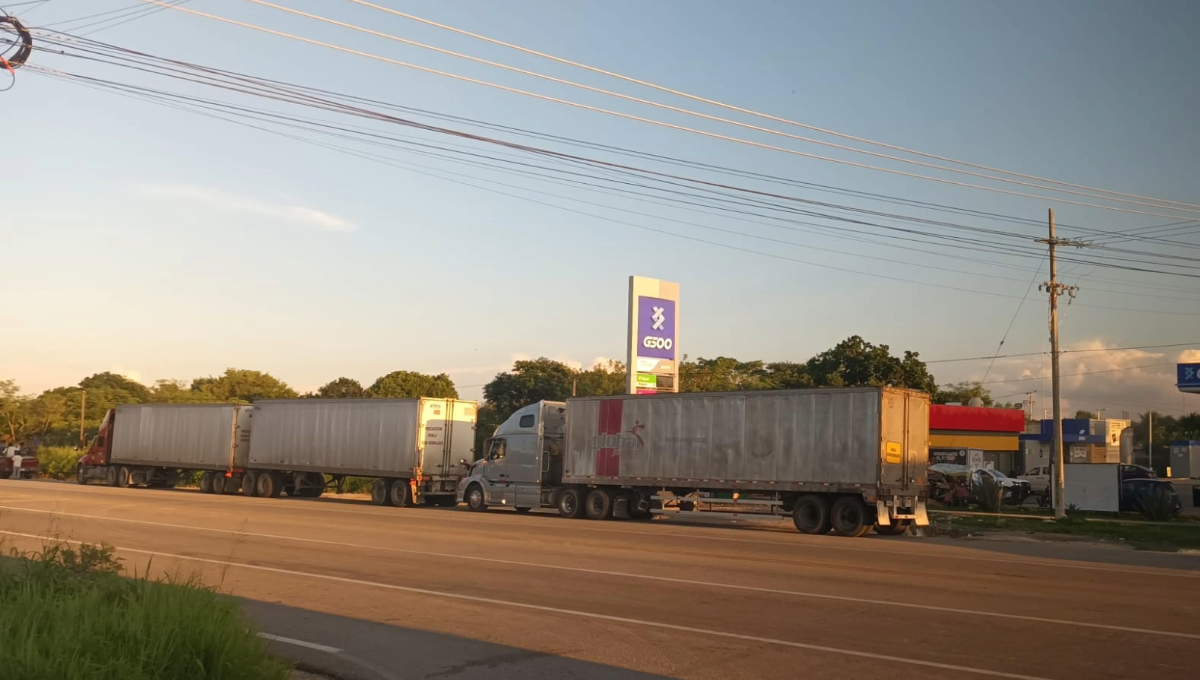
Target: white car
<point x="1038" y="478"/>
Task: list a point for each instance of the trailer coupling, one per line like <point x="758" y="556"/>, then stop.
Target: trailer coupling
<point x="901" y="508"/>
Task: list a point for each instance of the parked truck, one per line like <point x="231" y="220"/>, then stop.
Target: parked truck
<point x="299" y="447"/>
<point x="844" y="460"/>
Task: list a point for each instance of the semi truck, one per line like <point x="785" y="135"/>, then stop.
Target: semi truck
<point x="298" y="447"/>
<point x="845" y="459"/>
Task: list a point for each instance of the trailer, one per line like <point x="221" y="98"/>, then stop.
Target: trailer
<point x="153" y="444"/>
<point x="415" y="449"/>
<point x="845" y="459"/>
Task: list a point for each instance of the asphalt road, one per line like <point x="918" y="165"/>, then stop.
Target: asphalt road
<point x="442" y="593"/>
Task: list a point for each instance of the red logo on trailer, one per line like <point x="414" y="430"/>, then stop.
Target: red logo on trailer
<point x="608" y="459"/>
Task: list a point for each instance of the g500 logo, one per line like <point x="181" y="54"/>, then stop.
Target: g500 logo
<point x="652" y="342"/>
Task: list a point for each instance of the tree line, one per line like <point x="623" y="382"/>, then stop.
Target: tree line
<point x="54" y="416"/>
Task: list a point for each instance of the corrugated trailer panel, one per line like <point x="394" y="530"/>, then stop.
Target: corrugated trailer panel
<point x="364" y="436"/>
<point x="783" y="437"/>
<point x="197" y="436"/>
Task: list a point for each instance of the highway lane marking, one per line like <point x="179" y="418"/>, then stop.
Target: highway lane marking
<point x="300" y="643"/>
<point x="489" y="601"/>
<point x="792" y="541"/>
<point x="665" y="579"/>
<point x="831" y="544"/>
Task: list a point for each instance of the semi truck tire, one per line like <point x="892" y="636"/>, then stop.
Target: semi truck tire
<point x="206" y="482"/>
<point x="522" y="511"/>
<point x="476" y="501"/>
<point x="80" y="474"/>
<point x="896" y="528"/>
<point x="220" y="484"/>
<point x="249" y="483"/>
<point x="316" y="485"/>
<point x="398" y="493"/>
<point x="124" y="477"/>
<point x="110" y="476"/>
<point x="270" y="484"/>
<point x="380" y="493"/>
<point x="849" y="517"/>
<point x="811" y="515"/>
<point x="570" y="503"/>
<point x="598" y="504"/>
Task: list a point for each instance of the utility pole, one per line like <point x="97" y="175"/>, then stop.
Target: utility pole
<point x="82" y="410"/>
<point x="1150" y="433"/>
<point x="1055" y="289"/>
<point x="1029" y="400"/>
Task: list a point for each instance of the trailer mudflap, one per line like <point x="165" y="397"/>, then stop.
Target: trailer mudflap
<point x="922" y="519"/>
<point x="901" y="507"/>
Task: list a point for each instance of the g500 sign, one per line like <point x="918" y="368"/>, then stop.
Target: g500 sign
<point x="656" y="328"/>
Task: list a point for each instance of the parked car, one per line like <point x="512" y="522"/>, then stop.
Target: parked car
<point x="1137" y="472"/>
<point x="956" y="484"/>
<point x="1135" y="490"/>
<point x="1038" y="478"/>
<point x="1016" y="490"/>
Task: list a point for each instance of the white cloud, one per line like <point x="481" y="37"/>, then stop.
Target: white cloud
<point x="221" y="200"/>
<point x="131" y="373"/>
<point x="1115" y="380"/>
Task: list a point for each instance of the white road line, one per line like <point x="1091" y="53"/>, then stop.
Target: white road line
<point x="492" y="602"/>
<point x="648" y="577"/>
<point x="300" y="643"/>
<point x="792" y="540"/>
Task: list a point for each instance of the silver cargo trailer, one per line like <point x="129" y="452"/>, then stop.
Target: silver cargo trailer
<point x="152" y="443"/>
<point x="414" y="448"/>
<point x="843" y="459"/>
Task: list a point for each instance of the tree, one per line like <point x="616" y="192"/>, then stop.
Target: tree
<point x="238" y="385"/>
<point x="1084" y="415"/>
<point x="963" y="393"/>
<point x="342" y="388"/>
<point x="722" y="374"/>
<point x="12" y="410"/>
<point x="601" y="380"/>
<point x="529" y="381"/>
<point x="134" y="392"/>
<point x="409" y="385"/>
<point x="787" y="375"/>
<point x="854" y="362"/>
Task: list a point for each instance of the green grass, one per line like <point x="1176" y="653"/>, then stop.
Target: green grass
<point x="1173" y="535"/>
<point x="68" y="614"/>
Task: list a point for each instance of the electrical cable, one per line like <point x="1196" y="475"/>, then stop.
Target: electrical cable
<point x="741" y="109"/>
<point x="643" y="119"/>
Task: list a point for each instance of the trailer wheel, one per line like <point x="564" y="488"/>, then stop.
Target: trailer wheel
<point x="220" y="484"/>
<point x="110" y="476"/>
<point x="206" y="478"/>
<point x="896" y="528"/>
<point x="80" y="474"/>
<point x="849" y="517"/>
<point x="379" y="492"/>
<point x="811" y="515"/>
<point x="398" y="493"/>
<point x="269" y="485"/>
<point x="124" y="477"/>
<point x="570" y="503"/>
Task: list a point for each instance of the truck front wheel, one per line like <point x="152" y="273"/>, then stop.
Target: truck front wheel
<point x="475" y="499"/>
<point x="849" y="517"/>
<point x="570" y="503"/>
<point x="811" y="515"/>
<point x="80" y="474"/>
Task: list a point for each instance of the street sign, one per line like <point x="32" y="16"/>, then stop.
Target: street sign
<point x="1189" y="378"/>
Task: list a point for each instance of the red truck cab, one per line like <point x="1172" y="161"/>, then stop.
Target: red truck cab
<point x="94" y="462"/>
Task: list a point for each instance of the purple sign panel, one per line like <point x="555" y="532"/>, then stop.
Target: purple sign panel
<point x="656" y="328"/>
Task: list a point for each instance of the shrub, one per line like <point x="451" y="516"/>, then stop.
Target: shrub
<point x="67" y="614"/>
<point x="1157" y="505"/>
<point x="357" y="485"/>
<point x="58" y="462"/>
<point x="991" y="494"/>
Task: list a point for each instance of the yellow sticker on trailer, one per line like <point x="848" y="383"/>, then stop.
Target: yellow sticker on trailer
<point x="895" y="453"/>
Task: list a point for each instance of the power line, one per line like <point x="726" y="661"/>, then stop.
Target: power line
<point x="1065" y="351"/>
<point x="1071" y="375"/>
<point x="627" y="116"/>
<point x="745" y="110"/>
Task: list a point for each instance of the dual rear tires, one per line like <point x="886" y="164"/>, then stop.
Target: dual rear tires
<point x="576" y="502"/>
<point x="845" y="515"/>
<point x="393" y="492"/>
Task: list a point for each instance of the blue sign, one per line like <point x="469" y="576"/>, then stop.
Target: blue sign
<point x="1075" y="430"/>
<point x="1189" y="378"/>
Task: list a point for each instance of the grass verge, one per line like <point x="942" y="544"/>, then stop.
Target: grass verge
<point x="1144" y="535"/>
<point x="68" y="614"/>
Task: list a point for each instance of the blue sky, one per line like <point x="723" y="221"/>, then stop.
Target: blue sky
<point x="165" y="245"/>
